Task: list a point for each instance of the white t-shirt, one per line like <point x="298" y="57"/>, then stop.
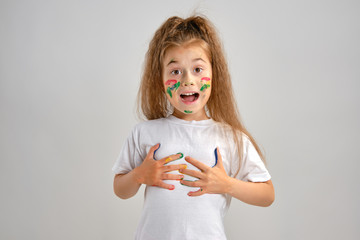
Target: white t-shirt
<point x="172" y="214"/>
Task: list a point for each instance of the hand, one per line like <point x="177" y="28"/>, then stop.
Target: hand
<point x="211" y="179"/>
<point x="151" y="172"/>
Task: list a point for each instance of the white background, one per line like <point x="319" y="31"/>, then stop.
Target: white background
<point x="69" y="74"/>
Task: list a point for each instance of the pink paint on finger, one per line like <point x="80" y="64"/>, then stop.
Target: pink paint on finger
<point x="171" y="82"/>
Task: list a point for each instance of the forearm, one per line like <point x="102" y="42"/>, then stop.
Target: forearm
<point x="126" y="185"/>
<point x="254" y="193"/>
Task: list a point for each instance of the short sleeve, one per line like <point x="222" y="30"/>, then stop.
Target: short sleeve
<point x="252" y="168"/>
<point x="129" y="156"/>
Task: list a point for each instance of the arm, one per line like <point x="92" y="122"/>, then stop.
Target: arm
<point x="126" y="185"/>
<point x="254" y="193"/>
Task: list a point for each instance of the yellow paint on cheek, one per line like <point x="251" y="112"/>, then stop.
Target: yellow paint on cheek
<point x="205" y="83"/>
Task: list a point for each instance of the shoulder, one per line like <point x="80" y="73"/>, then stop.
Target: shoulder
<point x="228" y="130"/>
<point x="149" y="125"/>
<point x="234" y="137"/>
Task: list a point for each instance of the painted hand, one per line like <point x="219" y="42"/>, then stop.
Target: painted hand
<point x="211" y="179"/>
<point x="151" y="172"/>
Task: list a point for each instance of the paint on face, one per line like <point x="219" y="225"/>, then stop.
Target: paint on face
<point x="170" y="82"/>
<point x="168" y="90"/>
<point x="186" y="111"/>
<point x="205" y="83"/>
<point x="173" y="85"/>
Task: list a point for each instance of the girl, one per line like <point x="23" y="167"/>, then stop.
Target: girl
<point x="193" y="154"/>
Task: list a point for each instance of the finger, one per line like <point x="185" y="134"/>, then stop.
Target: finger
<point x="156" y="150"/>
<point x="166" y="186"/>
<point x="193" y="173"/>
<point x="152" y="151"/>
<point x="218" y="158"/>
<point x="171" y="158"/>
<point x="185" y="182"/>
<point x="167" y="176"/>
<point x="196" y="193"/>
<point x="203" y="167"/>
<point x="190" y="183"/>
<point x="170" y="168"/>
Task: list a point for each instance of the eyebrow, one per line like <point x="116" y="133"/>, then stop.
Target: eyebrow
<point x="199" y="59"/>
<point x="171" y="61"/>
<point x="194" y="60"/>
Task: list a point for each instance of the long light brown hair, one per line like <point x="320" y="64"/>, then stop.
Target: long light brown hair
<point x="221" y="106"/>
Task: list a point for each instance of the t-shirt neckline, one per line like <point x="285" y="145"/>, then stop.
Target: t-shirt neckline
<point x="205" y="122"/>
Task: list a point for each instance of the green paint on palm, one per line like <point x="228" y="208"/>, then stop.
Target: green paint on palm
<point x="186" y="111"/>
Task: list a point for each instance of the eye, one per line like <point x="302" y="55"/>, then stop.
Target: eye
<point x="198" y="70"/>
<point x="176" y="72"/>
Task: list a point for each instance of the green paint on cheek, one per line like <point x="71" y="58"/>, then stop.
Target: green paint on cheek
<point x="173" y="88"/>
<point x="169" y="91"/>
<point x="204" y="86"/>
<point x="177" y="85"/>
<point x="186" y="111"/>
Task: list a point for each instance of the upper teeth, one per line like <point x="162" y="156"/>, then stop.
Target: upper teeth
<point x="188" y="94"/>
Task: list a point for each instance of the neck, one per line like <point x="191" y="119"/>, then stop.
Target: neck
<point x="198" y="116"/>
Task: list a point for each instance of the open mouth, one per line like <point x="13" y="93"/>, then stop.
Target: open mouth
<point x="189" y="98"/>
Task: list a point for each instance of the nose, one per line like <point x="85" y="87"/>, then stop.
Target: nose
<point x="187" y="81"/>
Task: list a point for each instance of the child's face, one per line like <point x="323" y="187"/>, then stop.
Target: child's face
<point x="187" y="80"/>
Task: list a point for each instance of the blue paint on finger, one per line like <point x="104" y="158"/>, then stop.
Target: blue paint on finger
<point x="155" y="151"/>
<point x="216" y="157"/>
